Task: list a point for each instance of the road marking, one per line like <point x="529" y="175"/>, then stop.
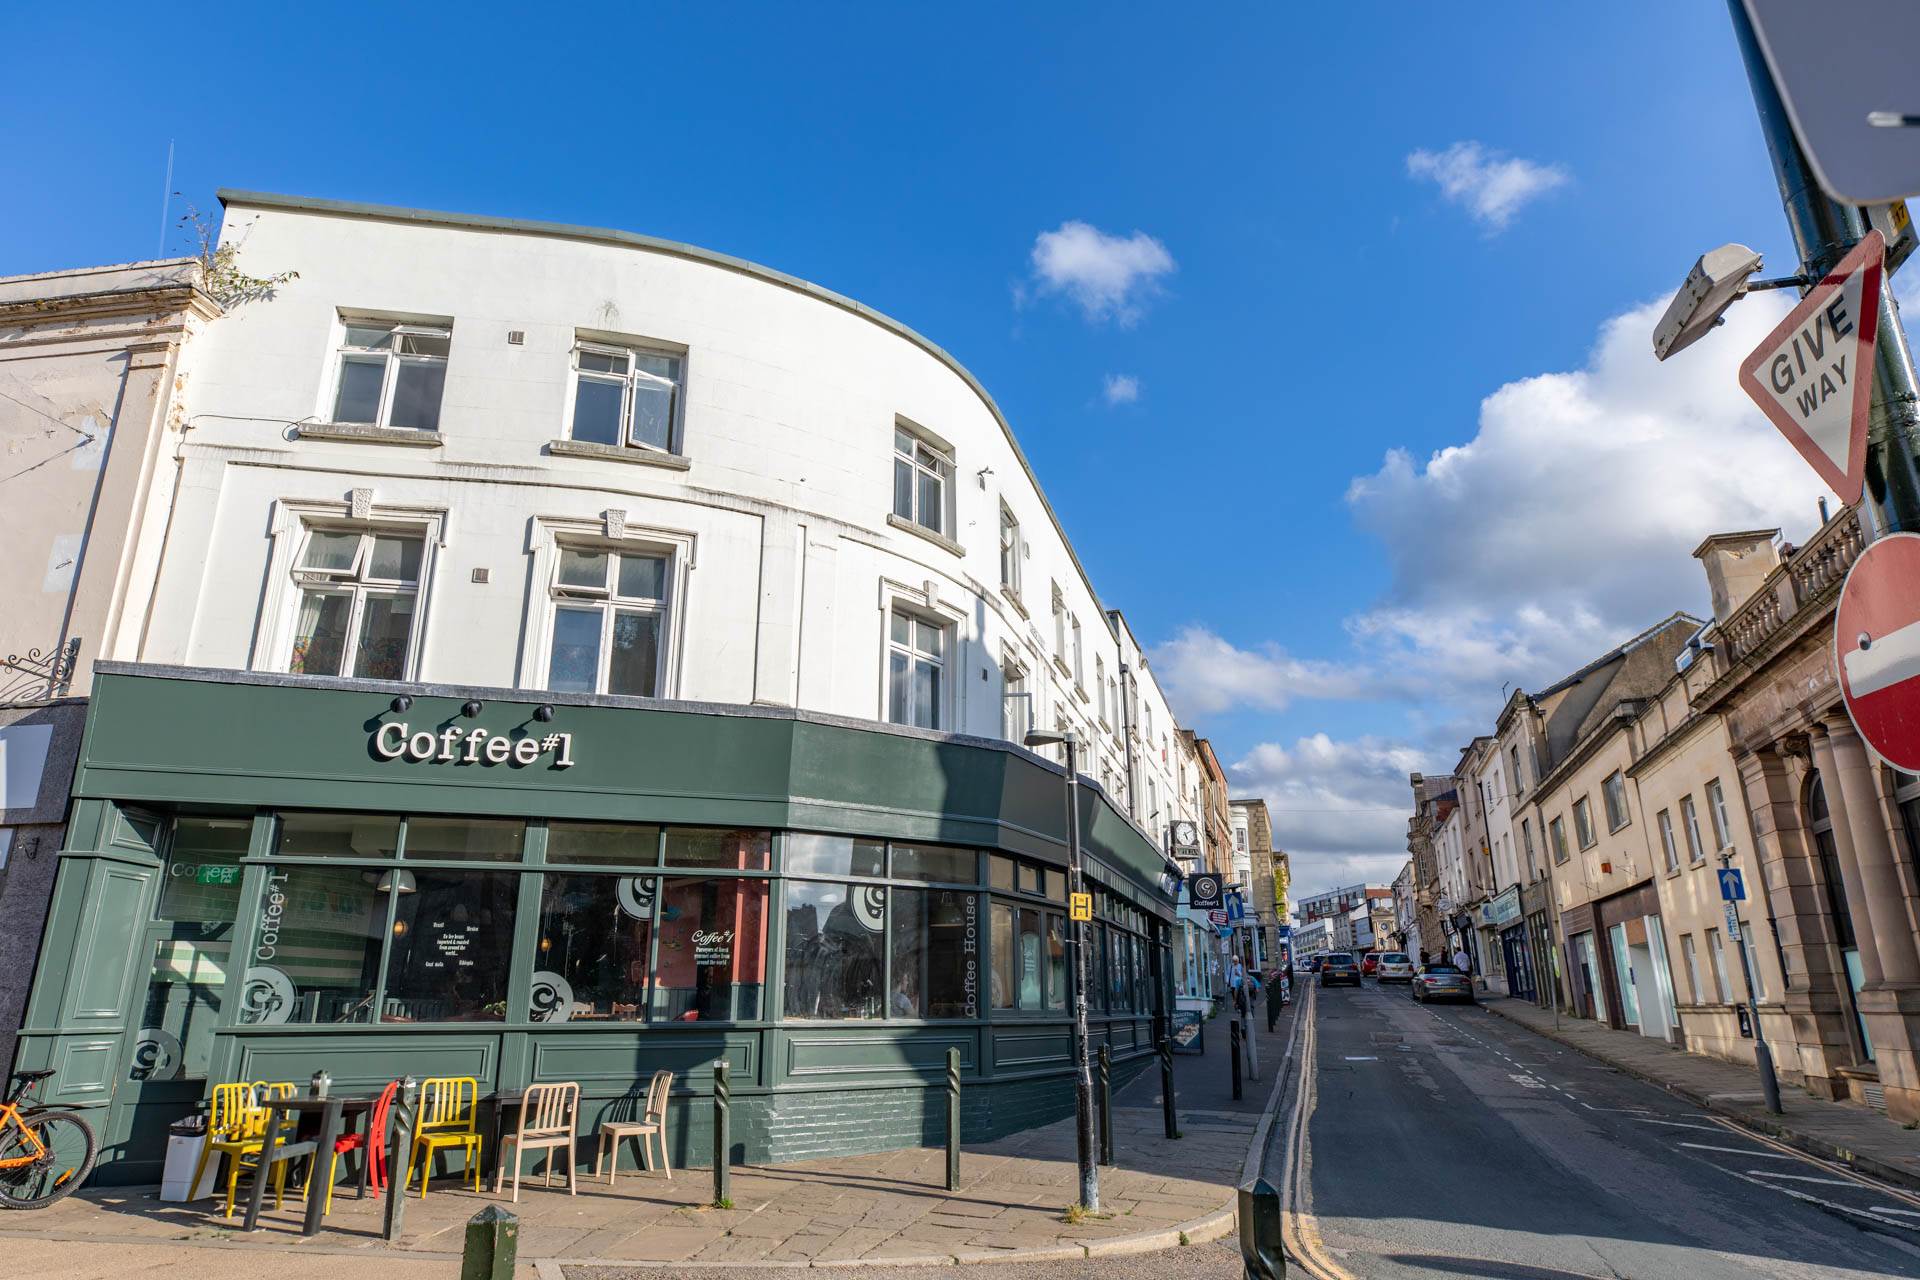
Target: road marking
<point x="1869" y="1214"/>
<point x="1351" y="1059"/>
<point x="1802" y="1177"/>
<point x="1675" y="1124"/>
<point x="1738" y="1151"/>
<point x="1525" y="1080"/>
<point x="1905" y="1213"/>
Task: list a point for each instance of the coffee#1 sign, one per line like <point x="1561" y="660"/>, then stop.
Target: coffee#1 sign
<point x="395" y="740"/>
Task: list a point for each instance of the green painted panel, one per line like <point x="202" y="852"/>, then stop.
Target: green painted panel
<point x="86" y="1070"/>
<point x="842" y="1052"/>
<point x="612" y="1062"/>
<point x="368" y="1062"/>
<point x="107" y="949"/>
<point x="1042" y="1046"/>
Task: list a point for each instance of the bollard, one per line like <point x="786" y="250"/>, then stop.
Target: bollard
<point x="1233" y="1046"/>
<point x="722" y="1136"/>
<point x="1261" y="1252"/>
<point x="953" y="1119"/>
<point x="396" y="1207"/>
<point x="1167" y="1103"/>
<point x="493" y="1238"/>
<point x="1106" y="1105"/>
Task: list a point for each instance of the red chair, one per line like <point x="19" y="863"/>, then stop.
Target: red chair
<point x="376" y="1133"/>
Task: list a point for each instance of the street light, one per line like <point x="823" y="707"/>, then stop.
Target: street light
<point x="1082" y="1065"/>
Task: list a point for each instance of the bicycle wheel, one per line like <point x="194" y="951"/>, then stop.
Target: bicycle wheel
<point x="53" y="1172"/>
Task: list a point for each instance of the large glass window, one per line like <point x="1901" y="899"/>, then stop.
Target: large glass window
<point x="392" y="375"/>
<point x="336" y="835"/>
<point x="921" y="473"/>
<point x="916" y="670"/>
<point x="1004" y="960"/>
<point x="318" y="937"/>
<point x="452" y="946"/>
<point x="934" y="954"/>
<point x="821" y="855"/>
<point x="835" y="942"/>
<point x="712" y="952"/>
<point x="625" y="396"/>
<point x="1583" y="822"/>
<point x="1057" y="978"/>
<point x="199" y="901"/>
<point x="934" y="862"/>
<point x="465" y="839"/>
<point x="609" y="622"/>
<point x="594" y="949"/>
<point x="606" y="843"/>
<point x="1614" y="792"/>
<point x="358" y="592"/>
<point x="718" y="847"/>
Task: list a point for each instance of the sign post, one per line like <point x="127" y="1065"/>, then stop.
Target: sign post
<point x="1733" y="891"/>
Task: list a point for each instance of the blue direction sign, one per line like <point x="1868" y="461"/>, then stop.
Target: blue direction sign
<point x="1733" y="886"/>
<point x="1236" y="909"/>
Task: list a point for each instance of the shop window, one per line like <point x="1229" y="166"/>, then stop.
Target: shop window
<point x="718" y="847"/>
<point x="604" y="843"/>
<point x="934" y="953"/>
<point x="594" y="949"/>
<point x="1097" y="968"/>
<point x="336" y="835"/>
<point x="465" y="839"/>
<point x="609" y="621"/>
<point x="1005" y="963"/>
<point x="916" y="670"/>
<point x="1056" y="884"/>
<point x="1029" y="958"/>
<point x="712" y="952"/>
<point x="1119" y="971"/>
<point x="934" y="862"/>
<point x="1142" y="978"/>
<point x="359" y="593"/>
<point x="1000" y="872"/>
<point x="625" y="396"/>
<point x="199" y="900"/>
<point x="452" y="945"/>
<point x="1032" y="968"/>
<point x="835" y="952"/>
<point x="392" y="375"/>
<point x="317" y="944"/>
<point x="819" y="855"/>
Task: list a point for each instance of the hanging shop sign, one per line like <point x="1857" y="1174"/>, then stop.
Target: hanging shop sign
<point x="1205" y="891"/>
<point x="395" y="740"/>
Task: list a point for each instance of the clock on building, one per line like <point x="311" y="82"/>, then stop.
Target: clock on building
<point x="1184" y="835"/>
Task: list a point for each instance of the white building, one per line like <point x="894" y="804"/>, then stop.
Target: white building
<point x="482" y="452"/>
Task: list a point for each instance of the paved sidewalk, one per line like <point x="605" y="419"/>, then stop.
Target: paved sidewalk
<point x="1843" y="1131"/>
<point x="870" y="1209"/>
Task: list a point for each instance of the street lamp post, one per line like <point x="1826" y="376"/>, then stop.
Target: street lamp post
<point x="1082" y="1064"/>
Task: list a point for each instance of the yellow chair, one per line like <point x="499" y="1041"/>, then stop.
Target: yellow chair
<point x="237" y="1129"/>
<point x="449" y="1115"/>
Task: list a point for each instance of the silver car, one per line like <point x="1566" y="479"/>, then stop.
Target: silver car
<point x="1393" y="966"/>
<point x="1442" y="982"/>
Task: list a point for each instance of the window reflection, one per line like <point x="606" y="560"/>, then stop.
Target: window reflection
<point x="713" y="942"/>
<point x="835" y="938"/>
<point x="594" y="947"/>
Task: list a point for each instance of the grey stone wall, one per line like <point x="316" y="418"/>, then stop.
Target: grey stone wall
<point x="34" y="834"/>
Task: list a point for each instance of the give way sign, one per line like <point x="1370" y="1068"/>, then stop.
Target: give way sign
<point x="1813" y="375"/>
<point x="1876" y="646"/>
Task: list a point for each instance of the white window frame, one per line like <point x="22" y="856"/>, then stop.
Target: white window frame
<point x="606" y="601"/>
<point x="438" y="327"/>
<point x="1012" y="670"/>
<point x="1690" y="954"/>
<point x="1100" y="689"/>
<point x="1606" y="800"/>
<point x="1717" y="958"/>
<point x="629" y="348"/>
<point x="1690" y="828"/>
<point x="1717" y="815"/>
<point x="288" y="523"/>
<point x="925" y="601"/>
<point x="1079" y="657"/>
<point x="545" y="540"/>
<point x="1664" y="820"/>
<point x="1584" y="833"/>
<point x="942" y="468"/>
<point x="1009" y="551"/>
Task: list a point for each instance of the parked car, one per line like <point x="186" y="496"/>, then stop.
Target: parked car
<point x="1393" y="966"/>
<point x="1339" y="966"/>
<point x="1368" y="963"/>
<point x="1442" y="982"/>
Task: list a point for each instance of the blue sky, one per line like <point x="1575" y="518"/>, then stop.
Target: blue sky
<point x="1324" y="236"/>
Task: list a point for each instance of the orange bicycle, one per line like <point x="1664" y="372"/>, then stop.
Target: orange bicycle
<point x="44" y="1155"/>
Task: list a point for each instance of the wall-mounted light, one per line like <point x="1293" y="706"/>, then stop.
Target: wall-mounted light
<point x="401" y="703"/>
<point x="472" y="709"/>
<point x="543" y="713"/>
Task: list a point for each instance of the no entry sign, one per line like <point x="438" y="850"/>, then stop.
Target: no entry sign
<point x="1813" y="375"/>
<point x="1876" y="646"/>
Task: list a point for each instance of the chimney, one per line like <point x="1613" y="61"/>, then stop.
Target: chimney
<point x="1736" y="565"/>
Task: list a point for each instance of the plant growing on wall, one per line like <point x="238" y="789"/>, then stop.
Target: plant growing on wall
<point x="220" y="276"/>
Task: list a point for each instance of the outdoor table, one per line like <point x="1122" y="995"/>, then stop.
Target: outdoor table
<point x="320" y="1147"/>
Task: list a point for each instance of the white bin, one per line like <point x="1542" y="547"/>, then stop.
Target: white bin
<point x="182" y="1153"/>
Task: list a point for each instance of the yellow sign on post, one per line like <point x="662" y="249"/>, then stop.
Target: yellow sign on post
<point x="1081" y="906"/>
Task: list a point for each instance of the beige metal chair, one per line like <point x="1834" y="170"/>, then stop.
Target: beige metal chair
<point x="548" y="1116"/>
<point x="652" y="1124"/>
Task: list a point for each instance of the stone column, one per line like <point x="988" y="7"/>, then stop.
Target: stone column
<point x="1843" y="847"/>
<point x="1881" y="899"/>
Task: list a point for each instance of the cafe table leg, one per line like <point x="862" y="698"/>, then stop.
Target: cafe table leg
<point x="262" y="1171"/>
<point x="323" y="1142"/>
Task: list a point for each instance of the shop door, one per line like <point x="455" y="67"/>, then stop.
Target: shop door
<point x="1623" y="974"/>
<point x="1519" y="964"/>
<point x="1589" y="965"/>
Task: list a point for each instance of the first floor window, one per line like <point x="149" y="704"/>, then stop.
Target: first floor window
<point x="392" y="375"/>
<point x="1690" y="827"/>
<point x="1667" y="846"/>
<point x="609" y="622"/>
<point x="916" y="668"/>
<point x="1718" y="955"/>
<point x="1015" y="711"/>
<point x="358" y="591"/>
<point x="1583" y="822"/>
<point x="624" y="396"/>
<point x="921" y="473"/>
<point x="1692" y="961"/>
<point x="1717" y="811"/>
<point x="1614" y="792"/>
<point x="1557" y="837"/>
<point x="1009" y="550"/>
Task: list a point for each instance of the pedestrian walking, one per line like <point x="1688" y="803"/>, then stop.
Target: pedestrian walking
<point x="1462" y="961"/>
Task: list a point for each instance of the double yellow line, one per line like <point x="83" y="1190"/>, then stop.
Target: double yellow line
<point x="1298" y="1230"/>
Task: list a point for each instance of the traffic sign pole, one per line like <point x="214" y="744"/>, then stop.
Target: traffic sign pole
<point x="1762" y="1056"/>
<point x="1823" y="232"/>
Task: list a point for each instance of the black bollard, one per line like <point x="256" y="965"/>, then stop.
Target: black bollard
<point x="1106" y="1105"/>
<point x="397" y="1156"/>
<point x="953" y="1119"/>
<point x="1167" y="1104"/>
<point x="722" y="1136"/>
<point x="493" y="1238"/>
<point x="1261" y="1251"/>
<point x="1233" y="1046"/>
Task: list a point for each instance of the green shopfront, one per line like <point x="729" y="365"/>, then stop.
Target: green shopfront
<point x="267" y="876"/>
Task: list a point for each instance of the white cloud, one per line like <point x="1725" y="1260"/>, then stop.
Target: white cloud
<point x="1121" y="388"/>
<point x="1490" y="185"/>
<point x="1204" y="673"/>
<point x="1340" y="807"/>
<point x="1108" y="277"/>
<point x="1565" y="524"/>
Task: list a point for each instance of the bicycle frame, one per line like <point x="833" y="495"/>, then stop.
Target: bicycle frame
<point x="10" y="1116"/>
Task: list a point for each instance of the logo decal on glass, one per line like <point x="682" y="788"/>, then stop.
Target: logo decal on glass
<point x="552" y="999"/>
<point x="266" y="997"/>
